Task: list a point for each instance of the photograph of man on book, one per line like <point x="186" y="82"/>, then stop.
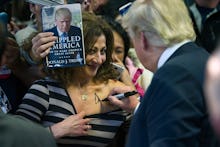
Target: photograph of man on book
<point x="63" y="27"/>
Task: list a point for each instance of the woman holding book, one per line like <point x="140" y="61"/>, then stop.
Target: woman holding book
<point x="70" y="101"/>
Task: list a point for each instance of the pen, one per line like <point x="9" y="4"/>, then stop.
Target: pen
<point x="123" y="95"/>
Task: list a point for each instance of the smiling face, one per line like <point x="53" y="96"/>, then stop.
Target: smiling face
<point x="95" y="57"/>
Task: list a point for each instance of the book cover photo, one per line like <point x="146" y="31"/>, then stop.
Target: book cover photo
<point x="65" y="21"/>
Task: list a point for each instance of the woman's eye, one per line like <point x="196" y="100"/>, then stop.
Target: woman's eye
<point x="118" y="51"/>
<point x="103" y="51"/>
<point x="92" y="51"/>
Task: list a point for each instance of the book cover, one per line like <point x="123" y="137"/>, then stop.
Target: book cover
<point x="46" y="2"/>
<point x="65" y="21"/>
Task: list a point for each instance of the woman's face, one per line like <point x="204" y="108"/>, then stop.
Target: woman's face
<point x="95" y="57"/>
<point x="118" y="49"/>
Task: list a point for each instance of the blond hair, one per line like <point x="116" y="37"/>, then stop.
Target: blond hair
<point x="164" y="22"/>
<point x="63" y="12"/>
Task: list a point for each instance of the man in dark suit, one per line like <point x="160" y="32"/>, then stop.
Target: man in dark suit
<point x="63" y="28"/>
<point x="173" y="111"/>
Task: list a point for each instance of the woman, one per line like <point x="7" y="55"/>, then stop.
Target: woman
<point x="123" y="55"/>
<point x="70" y="103"/>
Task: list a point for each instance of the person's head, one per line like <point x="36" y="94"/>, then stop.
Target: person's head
<point x="63" y="18"/>
<point x="155" y="25"/>
<point x="121" y="40"/>
<point x="98" y="43"/>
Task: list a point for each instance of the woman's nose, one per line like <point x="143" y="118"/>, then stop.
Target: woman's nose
<point x="114" y="57"/>
<point x="97" y="58"/>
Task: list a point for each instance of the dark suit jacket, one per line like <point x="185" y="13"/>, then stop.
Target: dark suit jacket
<point x="73" y="31"/>
<point x="19" y="132"/>
<point x="173" y="111"/>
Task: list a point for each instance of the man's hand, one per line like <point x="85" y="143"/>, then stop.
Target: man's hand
<point x="128" y="104"/>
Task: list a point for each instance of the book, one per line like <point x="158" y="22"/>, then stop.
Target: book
<point x="46" y="2"/>
<point x="65" y="21"/>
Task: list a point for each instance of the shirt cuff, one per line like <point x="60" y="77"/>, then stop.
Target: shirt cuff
<point x="136" y="107"/>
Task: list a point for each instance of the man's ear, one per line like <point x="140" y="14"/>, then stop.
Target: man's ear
<point x="144" y="41"/>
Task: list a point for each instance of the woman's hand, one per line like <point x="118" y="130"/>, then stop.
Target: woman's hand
<point x="124" y="77"/>
<point x="74" y="125"/>
<point x="41" y="45"/>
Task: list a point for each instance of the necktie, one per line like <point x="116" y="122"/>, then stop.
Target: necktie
<point x="64" y="34"/>
<point x="63" y="37"/>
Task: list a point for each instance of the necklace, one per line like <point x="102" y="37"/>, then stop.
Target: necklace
<point x="84" y="94"/>
<point x="84" y="97"/>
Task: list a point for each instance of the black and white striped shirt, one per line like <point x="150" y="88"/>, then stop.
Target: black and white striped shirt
<point x="48" y="103"/>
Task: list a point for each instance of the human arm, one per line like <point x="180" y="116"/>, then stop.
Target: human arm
<point x="35" y="107"/>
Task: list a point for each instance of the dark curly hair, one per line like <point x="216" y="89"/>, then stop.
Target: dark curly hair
<point x="93" y="27"/>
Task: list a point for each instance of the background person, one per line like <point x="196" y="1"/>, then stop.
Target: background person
<point x="123" y="55"/>
<point x="200" y="11"/>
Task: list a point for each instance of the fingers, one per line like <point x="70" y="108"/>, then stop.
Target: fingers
<point x="79" y="119"/>
<point x="82" y="114"/>
<point x="86" y="127"/>
<point x="42" y="35"/>
<point x="42" y="44"/>
<point x="121" y="89"/>
<point x="116" y="101"/>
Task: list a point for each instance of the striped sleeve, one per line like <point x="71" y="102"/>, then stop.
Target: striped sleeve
<point x="35" y="102"/>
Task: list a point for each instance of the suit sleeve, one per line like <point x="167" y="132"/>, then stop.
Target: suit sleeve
<point x="175" y="109"/>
